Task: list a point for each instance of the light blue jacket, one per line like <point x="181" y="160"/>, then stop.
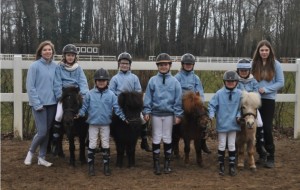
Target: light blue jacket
<point x="65" y="78"/>
<point x="122" y="82"/>
<point x="189" y="81"/>
<point x="274" y="85"/>
<point x="250" y="84"/>
<point x="226" y="111"/>
<point x="39" y="84"/>
<point x="99" y="106"/>
<point x="163" y="99"/>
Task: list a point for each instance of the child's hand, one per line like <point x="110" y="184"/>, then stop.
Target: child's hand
<point x="146" y="117"/>
<point x="177" y="120"/>
<point x="76" y="116"/>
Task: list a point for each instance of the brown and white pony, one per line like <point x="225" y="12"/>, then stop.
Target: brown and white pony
<point x="246" y="137"/>
<point x="194" y="122"/>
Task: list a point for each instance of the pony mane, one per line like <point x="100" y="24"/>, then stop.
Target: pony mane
<point x="190" y="100"/>
<point x="131" y="100"/>
<point x="73" y="92"/>
<point x="251" y="98"/>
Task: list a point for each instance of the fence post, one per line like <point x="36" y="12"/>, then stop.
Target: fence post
<point x="18" y="107"/>
<point x="297" y="103"/>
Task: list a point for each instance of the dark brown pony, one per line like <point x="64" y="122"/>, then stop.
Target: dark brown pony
<point x="72" y="102"/>
<point x="194" y="122"/>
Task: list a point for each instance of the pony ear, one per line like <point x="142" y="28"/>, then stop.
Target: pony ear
<point x="198" y="93"/>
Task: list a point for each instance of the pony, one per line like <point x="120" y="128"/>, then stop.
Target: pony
<point x="194" y="123"/>
<point x="125" y="134"/>
<point x="246" y="137"/>
<point x="72" y="126"/>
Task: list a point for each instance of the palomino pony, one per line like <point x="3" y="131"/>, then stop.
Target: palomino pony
<point x="246" y="137"/>
<point x="125" y="134"/>
<point x="194" y="122"/>
<point x="72" y="102"/>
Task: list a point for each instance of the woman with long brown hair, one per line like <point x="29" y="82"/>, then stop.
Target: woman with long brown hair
<point x="268" y="72"/>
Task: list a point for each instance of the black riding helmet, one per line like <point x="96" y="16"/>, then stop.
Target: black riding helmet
<point x="101" y="74"/>
<point x="70" y="48"/>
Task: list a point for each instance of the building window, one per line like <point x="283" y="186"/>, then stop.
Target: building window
<point x="78" y="49"/>
<point x="95" y="50"/>
<point x="89" y="49"/>
<point x="83" y="50"/>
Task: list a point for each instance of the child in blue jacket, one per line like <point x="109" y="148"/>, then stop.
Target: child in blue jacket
<point x="67" y="74"/>
<point x="225" y="105"/>
<point x="125" y="80"/>
<point x="163" y="102"/>
<point x="249" y="83"/>
<point x="99" y="103"/>
<point x="189" y="81"/>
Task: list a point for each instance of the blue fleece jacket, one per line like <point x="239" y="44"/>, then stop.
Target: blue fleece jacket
<point x="65" y="78"/>
<point x="189" y="81"/>
<point x="163" y="99"/>
<point x="99" y="106"/>
<point x="226" y="110"/>
<point x="39" y="83"/>
<point x="122" y="82"/>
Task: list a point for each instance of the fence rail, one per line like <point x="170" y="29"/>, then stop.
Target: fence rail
<point x="17" y="64"/>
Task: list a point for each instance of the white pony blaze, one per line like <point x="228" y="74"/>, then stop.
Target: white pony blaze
<point x="246" y="137"/>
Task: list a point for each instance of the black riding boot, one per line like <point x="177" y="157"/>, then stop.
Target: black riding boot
<point x="91" y="159"/>
<point x="260" y="146"/>
<point x="106" y="159"/>
<point x="156" y="164"/>
<point x="270" y="158"/>
<point x="232" y="168"/>
<point x="144" y="144"/>
<point x="221" y="156"/>
<point x="168" y="154"/>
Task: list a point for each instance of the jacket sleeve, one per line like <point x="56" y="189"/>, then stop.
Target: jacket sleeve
<point x="118" y="111"/>
<point x="213" y="106"/>
<point x="148" y="99"/>
<point x="278" y="80"/>
<point x="57" y="83"/>
<point x="82" y="83"/>
<point x="34" y="99"/>
<point x="85" y="106"/>
<point x="178" y="100"/>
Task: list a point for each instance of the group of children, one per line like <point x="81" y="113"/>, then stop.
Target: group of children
<point x="162" y="104"/>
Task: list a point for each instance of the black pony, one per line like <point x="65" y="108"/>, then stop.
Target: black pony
<point x="193" y="126"/>
<point x="72" y="102"/>
<point x="125" y="134"/>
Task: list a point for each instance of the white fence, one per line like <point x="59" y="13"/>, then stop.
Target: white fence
<point x="17" y="64"/>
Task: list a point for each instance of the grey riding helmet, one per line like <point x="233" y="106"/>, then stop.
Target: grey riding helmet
<point x="101" y="74"/>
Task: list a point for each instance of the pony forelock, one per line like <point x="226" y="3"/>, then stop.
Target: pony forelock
<point x="251" y="98"/>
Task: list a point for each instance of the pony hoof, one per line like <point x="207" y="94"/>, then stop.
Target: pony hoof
<point x="241" y="167"/>
<point x="253" y="169"/>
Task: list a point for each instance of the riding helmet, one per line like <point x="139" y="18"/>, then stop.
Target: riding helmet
<point x="187" y="58"/>
<point x="101" y="74"/>
<point x="163" y="58"/>
<point x="230" y="76"/>
<point x="126" y="56"/>
<point x="244" y="64"/>
<point x="70" y="48"/>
